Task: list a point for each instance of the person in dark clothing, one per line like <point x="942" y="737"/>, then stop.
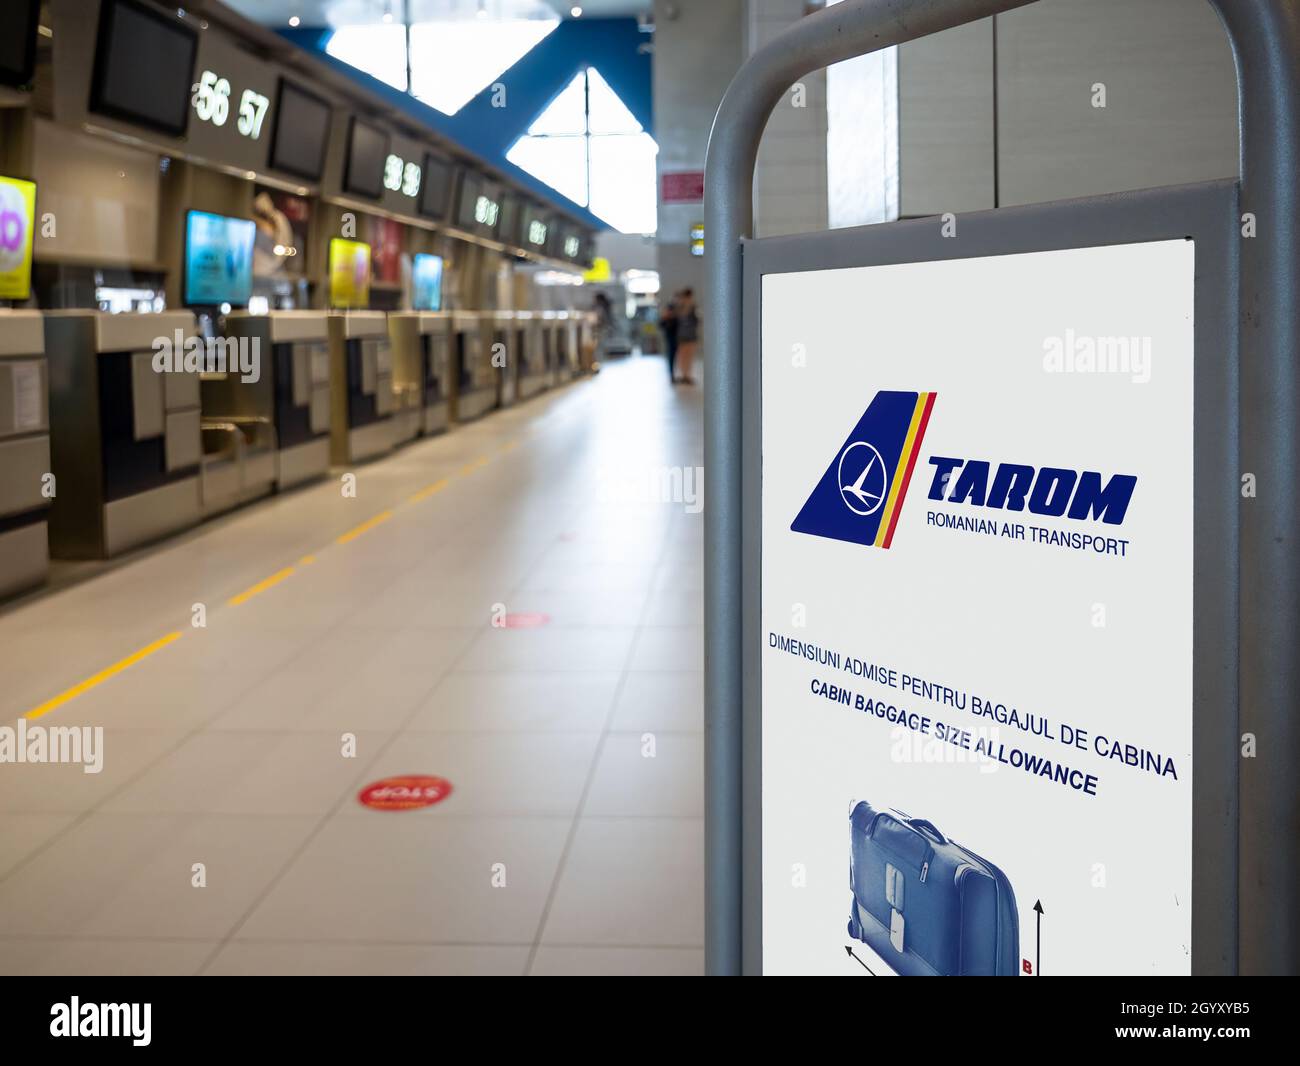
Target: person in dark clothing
<point x="688" y="333"/>
<point x="668" y="324"/>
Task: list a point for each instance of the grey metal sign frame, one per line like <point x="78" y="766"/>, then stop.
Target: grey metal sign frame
<point x="1258" y="277"/>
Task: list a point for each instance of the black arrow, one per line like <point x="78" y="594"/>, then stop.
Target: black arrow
<point x="859" y="961"/>
<point x="1038" y="932"/>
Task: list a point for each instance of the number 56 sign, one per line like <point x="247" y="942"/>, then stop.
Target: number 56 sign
<point x="211" y="103"/>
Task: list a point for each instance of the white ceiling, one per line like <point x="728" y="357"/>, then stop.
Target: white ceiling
<point x="276" y="13"/>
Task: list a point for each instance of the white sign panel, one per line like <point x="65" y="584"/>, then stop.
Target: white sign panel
<point x="977" y="615"/>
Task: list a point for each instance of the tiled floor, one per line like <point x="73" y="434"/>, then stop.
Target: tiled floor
<point x="572" y="840"/>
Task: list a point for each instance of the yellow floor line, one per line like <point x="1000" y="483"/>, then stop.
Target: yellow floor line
<point x="103" y="675"/>
<point x="261" y="586"/>
<point x="509" y="446"/>
<point x="428" y="491"/>
<point x="469" y="468"/>
<point x="307" y="560"/>
<point x="368" y="524"/>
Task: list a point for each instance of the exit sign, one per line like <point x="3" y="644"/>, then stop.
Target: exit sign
<point x="682" y="187"/>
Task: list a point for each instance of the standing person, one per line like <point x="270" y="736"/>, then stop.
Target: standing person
<point x="688" y="333"/>
<point x="668" y="324"/>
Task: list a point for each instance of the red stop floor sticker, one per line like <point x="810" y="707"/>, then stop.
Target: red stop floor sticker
<point x="404" y="793"/>
<point x="526" y="619"/>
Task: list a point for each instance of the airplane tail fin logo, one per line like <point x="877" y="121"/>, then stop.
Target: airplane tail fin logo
<point x="860" y="496"/>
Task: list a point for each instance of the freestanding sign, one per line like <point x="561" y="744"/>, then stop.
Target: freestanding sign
<point x="977" y="603"/>
<point x="976" y="648"/>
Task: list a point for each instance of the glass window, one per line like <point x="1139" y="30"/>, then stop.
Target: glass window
<point x="452" y="61"/>
<point x="589" y="146"/>
<point x="379" y="51"/>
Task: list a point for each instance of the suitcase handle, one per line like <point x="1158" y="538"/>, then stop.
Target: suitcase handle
<point x="927" y="827"/>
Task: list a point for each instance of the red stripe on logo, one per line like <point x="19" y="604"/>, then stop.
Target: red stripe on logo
<point x="911" y="464"/>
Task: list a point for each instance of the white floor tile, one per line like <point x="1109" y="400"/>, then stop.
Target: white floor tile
<point x="483" y="702"/>
<point x="631" y="881"/>
<point x="618" y="962"/>
<point x="404" y="877"/>
<point x="658" y="701"/>
<point x="648" y="774"/>
<point x="243" y="958"/>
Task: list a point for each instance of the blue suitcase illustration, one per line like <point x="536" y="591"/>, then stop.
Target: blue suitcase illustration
<point x="925" y="904"/>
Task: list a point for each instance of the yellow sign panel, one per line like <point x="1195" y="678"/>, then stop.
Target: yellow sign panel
<point x="600" y="271"/>
<point x="17" y="221"/>
<point x="349" y="273"/>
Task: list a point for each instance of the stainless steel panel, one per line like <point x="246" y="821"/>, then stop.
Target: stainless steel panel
<point x="384" y="401"/>
<point x="369" y="367"/>
<point x="24" y="558"/>
<point x="146" y="397"/>
<point x="300" y="372"/>
<point x="22" y="465"/>
<point x="148" y="515"/>
<point x="182" y="444"/>
<point x="320" y="364"/>
<point x="303" y="462"/>
<point x="24" y="400"/>
<point x="319" y="411"/>
<point x="180" y="390"/>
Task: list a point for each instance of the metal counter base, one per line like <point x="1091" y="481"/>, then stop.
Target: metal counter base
<point x="24" y="558"/>
<point x="303" y="462"/>
<point x="436" y="419"/>
<point x="532" y="384"/>
<point x="366" y="442"/>
<point x="471" y="405"/>
<point x="228" y="483"/>
<point x="147" y="516"/>
<point x="406" y="425"/>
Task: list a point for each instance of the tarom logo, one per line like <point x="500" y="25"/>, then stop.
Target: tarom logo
<point x="860" y="496"/>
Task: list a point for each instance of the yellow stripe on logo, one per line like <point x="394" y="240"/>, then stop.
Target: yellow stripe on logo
<point x="900" y="469"/>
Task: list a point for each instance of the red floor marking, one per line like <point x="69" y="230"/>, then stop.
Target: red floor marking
<point x="526" y="619"/>
<point x="404" y="793"/>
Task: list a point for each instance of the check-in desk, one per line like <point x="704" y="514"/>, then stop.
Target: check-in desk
<point x="566" y="361"/>
<point x="237" y="419"/>
<point x="531" y="363"/>
<point x="548" y="333"/>
<point x="24" y="452"/>
<point x="408" y="375"/>
<point x="475" y="379"/>
<point x="361" y="386"/>
<point x="125" y="443"/>
<point x="508" y="336"/>
<point x="585" y="342"/>
<point x="295" y="360"/>
<point x="422" y="352"/>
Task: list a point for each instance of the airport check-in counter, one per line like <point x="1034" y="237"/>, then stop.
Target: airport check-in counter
<point x="295" y="361"/>
<point x="24" y="452"/>
<point x="125" y="442"/>
<point x="508" y="332"/>
<point x="474" y="379"/>
<point x="422" y="347"/>
<point x="566" y="362"/>
<point x="548" y="334"/>
<point x="237" y="419"/>
<point x="586" y="341"/>
<point x="531" y="358"/>
<point x="361" y="386"/>
<point x="408" y="375"/>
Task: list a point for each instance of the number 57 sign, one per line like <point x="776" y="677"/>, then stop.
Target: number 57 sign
<point x="211" y="102"/>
